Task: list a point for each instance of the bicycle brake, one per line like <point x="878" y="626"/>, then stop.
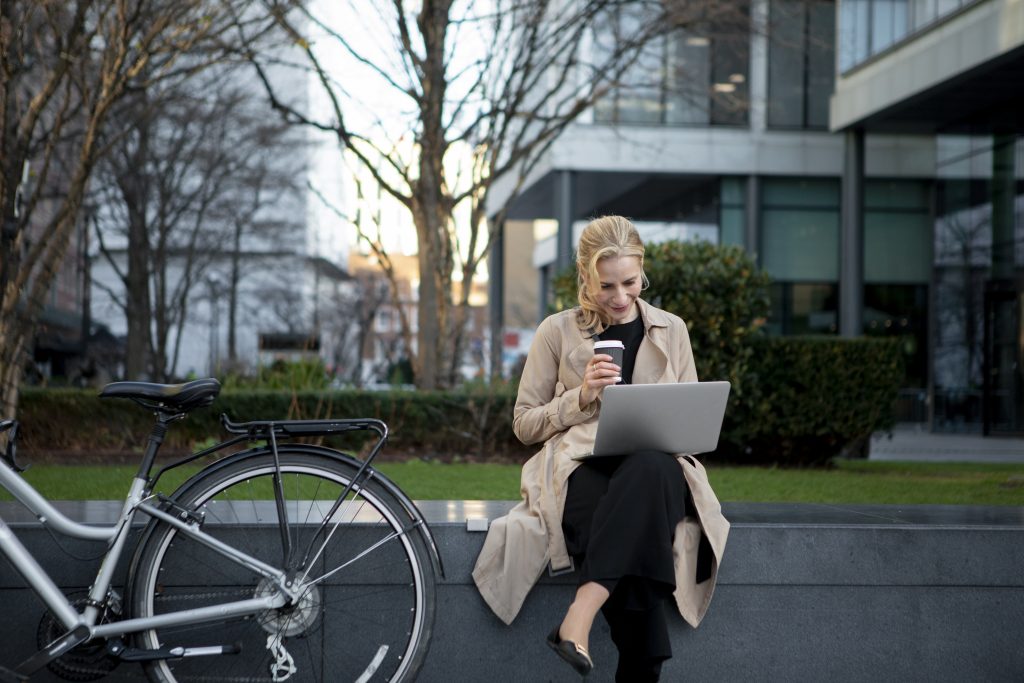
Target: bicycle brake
<point x="196" y="517"/>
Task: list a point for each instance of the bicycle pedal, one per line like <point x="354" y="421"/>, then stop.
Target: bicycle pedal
<point x="184" y="514"/>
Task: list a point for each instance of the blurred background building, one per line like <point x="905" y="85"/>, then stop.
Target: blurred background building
<point x="867" y="153"/>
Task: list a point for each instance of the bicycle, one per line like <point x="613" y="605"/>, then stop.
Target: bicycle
<point x="282" y="561"/>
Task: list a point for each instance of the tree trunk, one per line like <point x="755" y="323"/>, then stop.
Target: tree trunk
<point x="138" y="309"/>
<point x="236" y="258"/>
<point x="10" y="371"/>
<point x="428" y="332"/>
<point x="138" y="305"/>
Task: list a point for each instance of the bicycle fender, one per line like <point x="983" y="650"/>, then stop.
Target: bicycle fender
<point x="388" y="485"/>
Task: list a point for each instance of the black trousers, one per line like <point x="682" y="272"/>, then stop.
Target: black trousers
<point x="619" y="520"/>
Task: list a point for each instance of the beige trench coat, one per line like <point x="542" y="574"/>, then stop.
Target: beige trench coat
<point x="520" y="545"/>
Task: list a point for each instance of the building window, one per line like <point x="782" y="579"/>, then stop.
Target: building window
<point x="800" y="250"/>
<point x="732" y="214"/>
<point x="869" y="27"/>
<point x="972" y="247"/>
<point x="897" y="272"/>
<point x="693" y="76"/>
<point x="803" y="308"/>
<point x="801" y="71"/>
<point x="800" y="229"/>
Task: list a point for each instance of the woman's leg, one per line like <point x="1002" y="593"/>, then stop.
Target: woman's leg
<point x="634" y="522"/>
<point x="587" y="486"/>
<point x="620" y="514"/>
<point x="640" y="635"/>
<point x="580" y="617"/>
<point x="631" y="540"/>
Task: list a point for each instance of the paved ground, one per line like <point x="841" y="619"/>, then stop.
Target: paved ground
<point x="913" y="442"/>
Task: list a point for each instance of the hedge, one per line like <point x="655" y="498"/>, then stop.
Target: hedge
<point x="808" y="400"/>
<point x="813" y="398"/>
<point x="471" y="421"/>
<point x="717" y="289"/>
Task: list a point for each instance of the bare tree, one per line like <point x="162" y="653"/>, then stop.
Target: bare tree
<point x="64" y="66"/>
<point x="181" y="193"/>
<point x="492" y="84"/>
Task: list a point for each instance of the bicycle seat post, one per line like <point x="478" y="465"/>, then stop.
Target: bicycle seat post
<point x="156" y="438"/>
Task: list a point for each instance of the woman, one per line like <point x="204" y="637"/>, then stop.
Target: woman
<point x="641" y="527"/>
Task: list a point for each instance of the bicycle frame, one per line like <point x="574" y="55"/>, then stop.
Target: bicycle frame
<point x="84" y="626"/>
<point x="116" y="536"/>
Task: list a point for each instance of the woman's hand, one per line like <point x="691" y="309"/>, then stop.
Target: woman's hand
<point x="600" y="373"/>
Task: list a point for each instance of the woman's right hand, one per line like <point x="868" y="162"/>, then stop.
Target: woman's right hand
<point x="600" y="373"/>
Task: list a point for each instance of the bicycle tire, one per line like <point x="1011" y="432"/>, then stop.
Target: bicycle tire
<point x="371" y="620"/>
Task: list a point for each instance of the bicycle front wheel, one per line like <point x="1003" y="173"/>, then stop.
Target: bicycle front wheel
<point x="366" y="607"/>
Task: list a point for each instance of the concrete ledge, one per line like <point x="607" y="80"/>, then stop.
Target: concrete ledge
<point x="806" y="593"/>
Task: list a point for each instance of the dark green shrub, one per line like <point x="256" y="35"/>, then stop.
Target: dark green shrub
<point x="807" y="400"/>
<point x="720" y="293"/>
<point x="475" y="421"/>
<point x="811" y="399"/>
<point x="723" y="297"/>
<point x="794" y="401"/>
<point x="298" y="375"/>
<point x="718" y="290"/>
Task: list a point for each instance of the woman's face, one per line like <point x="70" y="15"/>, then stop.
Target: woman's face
<point x="618" y="286"/>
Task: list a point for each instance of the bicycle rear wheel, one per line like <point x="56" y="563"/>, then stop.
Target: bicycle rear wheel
<point x="367" y="608"/>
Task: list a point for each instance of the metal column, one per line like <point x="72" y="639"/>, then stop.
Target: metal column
<point x="1003" y="195"/>
<point x="752" y="229"/>
<point x="851" y="239"/>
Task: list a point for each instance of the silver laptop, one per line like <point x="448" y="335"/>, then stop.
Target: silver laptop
<point x="674" y="418"/>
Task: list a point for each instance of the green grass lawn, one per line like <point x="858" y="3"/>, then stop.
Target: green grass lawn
<point x="847" y="482"/>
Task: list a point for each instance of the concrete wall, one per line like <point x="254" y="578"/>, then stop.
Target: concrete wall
<point x="806" y="593"/>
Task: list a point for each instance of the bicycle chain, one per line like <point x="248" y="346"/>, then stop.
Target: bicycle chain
<point x="200" y="596"/>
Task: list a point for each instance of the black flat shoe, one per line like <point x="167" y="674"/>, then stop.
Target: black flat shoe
<point x="576" y="655"/>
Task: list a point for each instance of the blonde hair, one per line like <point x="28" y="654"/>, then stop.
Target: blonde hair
<point x="605" y="237"/>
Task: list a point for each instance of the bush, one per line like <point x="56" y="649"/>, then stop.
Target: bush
<point x="720" y="293"/>
<point x="298" y="375"/>
<point x="794" y="401"/>
<point x="722" y="296"/>
<point x="808" y="399"/>
<point x="475" y="421"/>
<point x="812" y="398"/>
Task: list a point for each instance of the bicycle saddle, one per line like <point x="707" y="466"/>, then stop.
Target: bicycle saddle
<point x="176" y="397"/>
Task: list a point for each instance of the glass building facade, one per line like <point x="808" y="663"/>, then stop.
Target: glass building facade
<point x="696" y="76"/>
<point x="941" y="270"/>
<point x="871" y="27"/>
<point x="979" y="284"/>
<point x="801" y="63"/>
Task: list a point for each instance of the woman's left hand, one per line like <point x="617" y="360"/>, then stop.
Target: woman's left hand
<point x="600" y="373"/>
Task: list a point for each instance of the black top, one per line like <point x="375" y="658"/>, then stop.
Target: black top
<point x="630" y="334"/>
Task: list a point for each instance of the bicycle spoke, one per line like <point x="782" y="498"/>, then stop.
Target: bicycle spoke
<point x="365" y="601"/>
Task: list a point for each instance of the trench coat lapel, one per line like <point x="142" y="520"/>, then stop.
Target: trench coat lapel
<point x="652" y="357"/>
<point x="578" y="359"/>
